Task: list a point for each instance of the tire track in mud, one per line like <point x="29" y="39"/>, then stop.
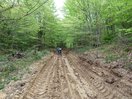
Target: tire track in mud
<point x="63" y="78"/>
<point x="98" y="83"/>
<point x="89" y="77"/>
<point x="77" y="86"/>
<point x="67" y="90"/>
<point x="105" y="90"/>
<point x="41" y="80"/>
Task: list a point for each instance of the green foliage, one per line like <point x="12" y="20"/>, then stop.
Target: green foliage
<point x="111" y="57"/>
<point x="39" y="54"/>
<point x="82" y="49"/>
<point x="1" y="85"/>
<point x="3" y="58"/>
<point x="100" y="21"/>
<point x="13" y="70"/>
<point x="108" y="37"/>
<point x="128" y="66"/>
<point x="24" y="24"/>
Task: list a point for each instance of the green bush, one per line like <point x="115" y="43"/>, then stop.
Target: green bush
<point x="82" y="49"/>
<point x="3" y="58"/>
<point x="40" y="54"/>
<point x="10" y="69"/>
<point x="1" y="85"/>
<point x="111" y="57"/>
<point x="108" y="37"/>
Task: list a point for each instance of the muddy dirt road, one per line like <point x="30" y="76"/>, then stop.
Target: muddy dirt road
<point x="62" y="77"/>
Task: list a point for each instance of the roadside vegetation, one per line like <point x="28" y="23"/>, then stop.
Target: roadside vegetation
<point x="103" y="26"/>
<point x="15" y="68"/>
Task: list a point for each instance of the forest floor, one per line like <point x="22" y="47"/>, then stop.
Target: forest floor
<point x="72" y="77"/>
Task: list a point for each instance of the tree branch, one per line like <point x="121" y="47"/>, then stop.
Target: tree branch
<point x="28" y="12"/>
<point x="12" y="6"/>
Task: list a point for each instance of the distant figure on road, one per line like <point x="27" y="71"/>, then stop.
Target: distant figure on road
<point x="59" y="51"/>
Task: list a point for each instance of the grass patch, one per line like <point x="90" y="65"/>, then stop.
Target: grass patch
<point x="14" y="70"/>
<point x="82" y="49"/>
<point x="111" y="57"/>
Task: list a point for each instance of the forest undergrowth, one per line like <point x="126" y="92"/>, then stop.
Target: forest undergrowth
<point x="13" y="68"/>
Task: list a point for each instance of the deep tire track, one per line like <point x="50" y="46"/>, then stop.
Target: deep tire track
<point x="108" y="92"/>
<point x="62" y="77"/>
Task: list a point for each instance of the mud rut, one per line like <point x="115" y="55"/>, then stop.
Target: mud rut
<point x="64" y="78"/>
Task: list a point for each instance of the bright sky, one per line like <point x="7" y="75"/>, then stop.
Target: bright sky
<point x="59" y="4"/>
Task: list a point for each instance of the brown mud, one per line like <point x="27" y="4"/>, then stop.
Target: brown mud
<point x="71" y="77"/>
